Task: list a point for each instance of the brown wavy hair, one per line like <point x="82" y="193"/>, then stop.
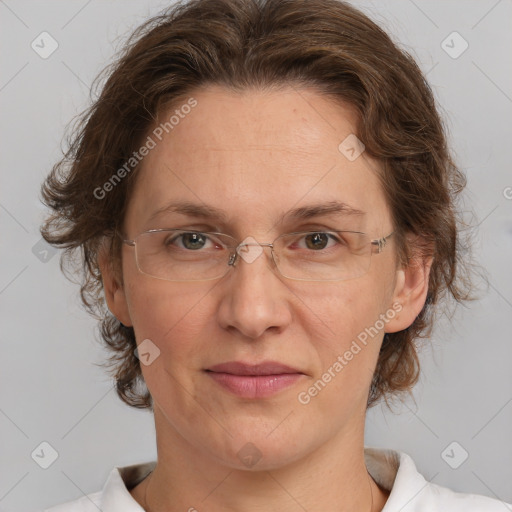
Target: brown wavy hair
<point x="241" y="44"/>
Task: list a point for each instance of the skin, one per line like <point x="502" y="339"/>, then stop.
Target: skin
<point x="258" y="154"/>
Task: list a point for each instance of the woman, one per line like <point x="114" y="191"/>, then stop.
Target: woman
<point x="264" y="197"/>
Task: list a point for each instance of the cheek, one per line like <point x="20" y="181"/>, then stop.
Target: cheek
<point x="171" y="316"/>
<point x="340" y="317"/>
<point x="346" y="327"/>
<point x="339" y="311"/>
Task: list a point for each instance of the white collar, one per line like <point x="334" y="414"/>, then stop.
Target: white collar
<point x="393" y="470"/>
<point x="389" y="468"/>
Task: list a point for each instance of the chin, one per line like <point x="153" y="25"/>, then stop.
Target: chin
<point x="262" y="451"/>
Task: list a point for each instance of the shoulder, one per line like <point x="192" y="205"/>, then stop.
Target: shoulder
<point x="115" y="495"/>
<point x="89" y="503"/>
<point x="437" y="497"/>
<point x="411" y="492"/>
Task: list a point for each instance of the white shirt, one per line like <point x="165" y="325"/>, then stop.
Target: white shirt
<point x="392" y="470"/>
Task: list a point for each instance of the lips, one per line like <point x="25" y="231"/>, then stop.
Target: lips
<point x="254" y="381"/>
<point x="265" y="368"/>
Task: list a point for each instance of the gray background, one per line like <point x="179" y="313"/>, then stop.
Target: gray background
<point x="50" y="389"/>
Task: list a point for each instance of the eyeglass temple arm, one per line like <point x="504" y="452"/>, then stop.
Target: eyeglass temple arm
<point x="381" y="242"/>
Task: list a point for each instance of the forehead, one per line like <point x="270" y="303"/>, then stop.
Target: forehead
<point x="255" y="155"/>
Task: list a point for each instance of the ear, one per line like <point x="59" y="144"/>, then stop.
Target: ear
<point x="113" y="287"/>
<point x="411" y="289"/>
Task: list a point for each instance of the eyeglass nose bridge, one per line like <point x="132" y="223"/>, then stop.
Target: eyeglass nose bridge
<point x="234" y="257"/>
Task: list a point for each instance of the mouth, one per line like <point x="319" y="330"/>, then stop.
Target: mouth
<point x="254" y="380"/>
<point x="264" y="368"/>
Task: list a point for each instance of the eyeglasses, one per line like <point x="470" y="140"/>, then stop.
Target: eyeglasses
<point x="188" y="255"/>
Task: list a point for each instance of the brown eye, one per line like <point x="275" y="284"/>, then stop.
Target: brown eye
<point x="317" y="240"/>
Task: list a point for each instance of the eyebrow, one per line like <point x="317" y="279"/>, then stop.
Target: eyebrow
<point x="190" y="209"/>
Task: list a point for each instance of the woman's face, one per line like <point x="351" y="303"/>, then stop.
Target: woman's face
<point x="256" y="156"/>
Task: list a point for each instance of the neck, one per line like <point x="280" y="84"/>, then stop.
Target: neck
<point x="187" y="479"/>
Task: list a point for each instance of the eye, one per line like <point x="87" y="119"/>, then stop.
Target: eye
<point x="318" y="241"/>
<point x="192" y="240"/>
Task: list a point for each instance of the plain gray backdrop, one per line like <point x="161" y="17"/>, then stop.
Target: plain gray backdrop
<point x="52" y="392"/>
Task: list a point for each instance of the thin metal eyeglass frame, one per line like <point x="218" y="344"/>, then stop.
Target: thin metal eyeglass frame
<point x="378" y="243"/>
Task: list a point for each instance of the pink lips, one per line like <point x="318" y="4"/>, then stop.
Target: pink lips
<point x="254" y="381"/>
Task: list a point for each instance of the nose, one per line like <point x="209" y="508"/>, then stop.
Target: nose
<point x="254" y="298"/>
